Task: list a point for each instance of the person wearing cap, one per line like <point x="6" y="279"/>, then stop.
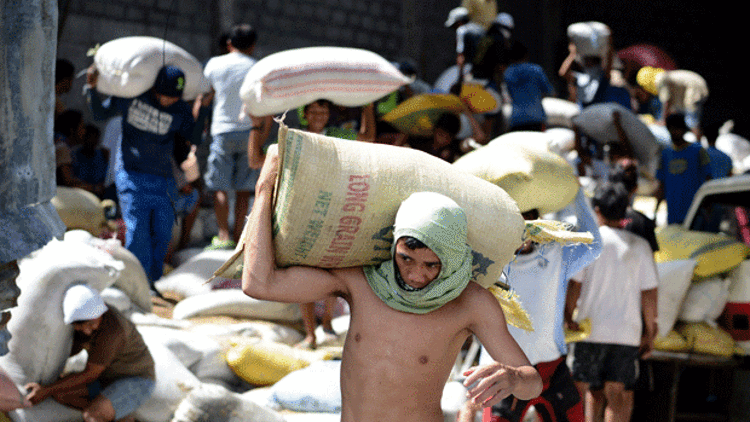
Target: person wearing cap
<point x="618" y="294"/>
<point x="410" y="315"/>
<point x="155" y="125"/>
<point x="227" y="168"/>
<point x="493" y="48"/>
<point x="682" y="169"/>
<point x="468" y="34"/>
<point x="119" y="374"/>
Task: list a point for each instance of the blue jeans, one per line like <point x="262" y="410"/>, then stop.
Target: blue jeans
<point x="147" y="207"/>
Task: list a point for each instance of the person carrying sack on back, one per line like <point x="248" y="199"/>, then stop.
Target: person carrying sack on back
<point x="119" y="374"/>
<point x="152" y="124"/>
<point x="410" y="315"/>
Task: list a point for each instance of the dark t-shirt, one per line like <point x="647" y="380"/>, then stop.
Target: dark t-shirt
<point x="118" y="346"/>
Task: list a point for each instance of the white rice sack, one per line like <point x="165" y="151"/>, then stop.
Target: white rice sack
<point x="190" y="278"/>
<point x="289" y="79"/>
<point x="596" y="122"/>
<point x="236" y="304"/>
<point x="264" y="330"/>
<point x="133" y="280"/>
<point x="41" y="342"/>
<point x="736" y="147"/>
<point x="316" y="388"/>
<point x="173" y="383"/>
<point x="343" y="217"/>
<point x="739" y="284"/>
<point x="683" y="88"/>
<point x="590" y="38"/>
<point x="454" y="397"/>
<point x="562" y="140"/>
<point x="262" y="396"/>
<point x="201" y="354"/>
<point x="213" y="403"/>
<point x="523" y="166"/>
<point x="674" y="281"/>
<point x="116" y="298"/>
<point x="47" y="411"/>
<point x="560" y="112"/>
<point x="128" y="66"/>
<point x="705" y="300"/>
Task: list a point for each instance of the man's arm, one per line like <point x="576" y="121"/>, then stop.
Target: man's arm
<point x="367" y="124"/>
<point x="99" y="110"/>
<point x="261" y="279"/>
<point x="650" y="328"/>
<point x="571" y="300"/>
<point x="511" y="373"/>
<point x="38" y="393"/>
<point x="258" y="136"/>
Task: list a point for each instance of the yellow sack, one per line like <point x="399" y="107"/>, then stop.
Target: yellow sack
<point x="703" y="338"/>
<point x="417" y="115"/>
<point x="264" y="363"/>
<point x="672" y="342"/>
<point x="715" y="253"/>
<point x="522" y="164"/>
<point x="479" y="99"/>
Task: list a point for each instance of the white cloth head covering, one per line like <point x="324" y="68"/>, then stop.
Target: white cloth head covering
<point x="456" y="15"/>
<point x="82" y="303"/>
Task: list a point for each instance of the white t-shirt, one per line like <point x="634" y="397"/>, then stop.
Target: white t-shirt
<point x="611" y="288"/>
<point x="226" y="73"/>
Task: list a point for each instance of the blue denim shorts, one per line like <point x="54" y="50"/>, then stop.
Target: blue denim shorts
<point x="125" y="394"/>
<point x="226" y="167"/>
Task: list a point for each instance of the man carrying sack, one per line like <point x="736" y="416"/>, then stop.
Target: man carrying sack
<point x="410" y="315"/>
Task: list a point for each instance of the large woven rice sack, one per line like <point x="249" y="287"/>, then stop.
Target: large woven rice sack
<point x="705" y="300"/>
<point x="684" y="88"/>
<point x="590" y="38"/>
<point x="316" y="388"/>
<point x="716" y="253"/>
<point x="289" y="79"/>
<point x="674" y="281"/>
<point x="336" y="202"/>
<point x="133" y="280"/>
<point x="173" y="383"/>
<point x="523" y="166"/>
<point x="80" y="209"/>
<point x="41" y="341"/>
<point x="190" y="278"/>
<point x="707" y="339"/>
<point x="596" y="122"/>
<point x="214" y="403"/>
<point x="235" y="303"/>
<point x="128" y="66"/>
<point x="560" y="112"/>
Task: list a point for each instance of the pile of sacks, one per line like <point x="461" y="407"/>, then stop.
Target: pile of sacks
<point x="700" y="274"/>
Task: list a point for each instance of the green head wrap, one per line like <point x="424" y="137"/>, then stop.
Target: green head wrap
<point x="439" y="223"/>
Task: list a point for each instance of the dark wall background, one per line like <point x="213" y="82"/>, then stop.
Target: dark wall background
<point x="703" y="36"/>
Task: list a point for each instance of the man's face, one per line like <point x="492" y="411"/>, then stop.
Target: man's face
<point x="418" y="267"/>
<point x="87" y="327"/>
<point x="317" y="116"/>
<point x="166" y="101"/>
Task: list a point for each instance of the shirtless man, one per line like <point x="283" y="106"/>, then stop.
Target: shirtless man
<point x="405" y="332"/>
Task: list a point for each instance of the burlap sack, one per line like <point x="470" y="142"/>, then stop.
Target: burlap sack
<point x="80" y="209"/>
<point x="336" y="202"/>
<point x="522" y="165"/>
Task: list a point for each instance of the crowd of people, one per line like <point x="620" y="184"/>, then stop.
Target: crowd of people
<point x="395" y="350"/>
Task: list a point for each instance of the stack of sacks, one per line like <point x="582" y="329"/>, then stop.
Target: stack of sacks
<point x="132" y="281"/>
<point x="81" y="209"/>
<point x="214" y="403"/>
<point x="128" y="66"/>
<point x="344" y="217"/>
<point x="264" y="330"/>
<point x="706" y="296"/>
<point x="349" y="77"/>
<point x="674" y="281"/>
<point x="41" y="341"/>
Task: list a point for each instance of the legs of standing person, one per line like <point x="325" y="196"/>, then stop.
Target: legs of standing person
<point x="221" y="208"/>
<point x="241" y="207"/>
<point x="619" y="402"/>
<point x="309" y="322"/>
